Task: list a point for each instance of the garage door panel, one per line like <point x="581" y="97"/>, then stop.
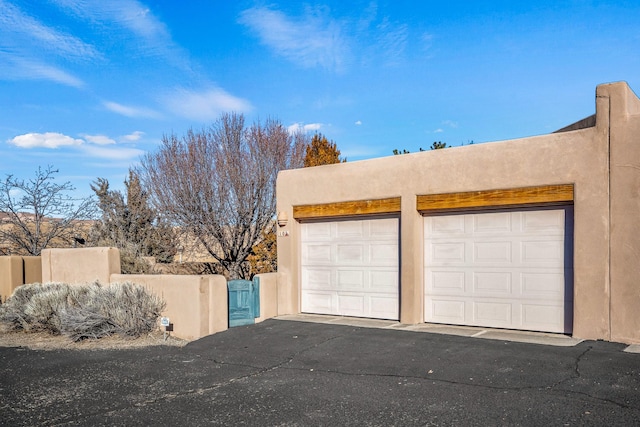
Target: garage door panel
<point x="493" y="313"/>
<point x="446" y="310"/>
<point x="318" y="302"/>
<point x="492" y="223"/>
<point x="350" y="229"/>
<point x="386" y="281"/>
<point x="445" y="253"/>
<point x="350" y="254"/>
<point x="383" y="307"/>
<point x="318" y="278"/>
<point x="351" y="304"/>
<point x="495" y="252"/>
<point x="543" y="317"/>
<point x="549" y="285"/>
<point x="446" y="282"/>
<point x="446" y="226"/>
<point x="492" y="283"/>
<point x="350" y="279"/>
<point x="319" y="231"/>
<point x="357" y="265"/>
<point x="386" y="228"/>
<point x="543" y="221"/>
<point x="501" y="269"/>
<point x="318" y="253"/>
<point x="543" y="252"/>
<point x="383" y="253"/>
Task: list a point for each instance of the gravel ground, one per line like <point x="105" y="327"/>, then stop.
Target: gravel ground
<point x="44" y="341"/>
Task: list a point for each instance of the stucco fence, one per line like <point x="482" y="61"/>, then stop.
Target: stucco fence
<point x="196" y="305"/>
<point x="16" y="271"/>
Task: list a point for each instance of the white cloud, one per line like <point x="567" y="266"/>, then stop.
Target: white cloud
<point x="115" y="153"/>
<point x="20" y="68"/>
<point x="14" y="192"/>
<point x="96" y="147"/>
<point x="44" y="140"/>
<point x="392" y="40"/>
<point x="311" y="40"/>
<point x="447" y="123"/>
<point x="30" y="49"/>
<point x="129" y="14"/>
<point x="130" y="111"/>
<point x="300" y="127"/>
<point x="150" y="35"/>
<point x="135" y="136"/>
<point x="99" y="139"/>
<point x="427" y="41"/>
<point x="24" y="28"/>
<point x="358" y="123"/>
<point x="206" y="105"/>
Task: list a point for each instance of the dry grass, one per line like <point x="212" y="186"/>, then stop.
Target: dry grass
<point x="83" y="311"/>
<point x="46" y="341"/>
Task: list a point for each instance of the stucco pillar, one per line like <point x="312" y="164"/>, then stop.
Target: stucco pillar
<point x="411" y="256"/>
<point x="625" y="213"/>
<point x="288" y="236"/>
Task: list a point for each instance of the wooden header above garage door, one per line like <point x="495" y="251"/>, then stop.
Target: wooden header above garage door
<point x="542" y="195"/>
<point x="347" y="209"/>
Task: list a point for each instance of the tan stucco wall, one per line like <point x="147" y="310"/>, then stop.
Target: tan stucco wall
<point x="79" y="265"/>
<point x="18" y="270"/>
<point x="196" y="305"/>
<point x="11" y="275"/>
<point x="625" y="213"/>
<point x="268" y="296"/>
<point x="579" y="157"/>
<point x="32" y="269"/>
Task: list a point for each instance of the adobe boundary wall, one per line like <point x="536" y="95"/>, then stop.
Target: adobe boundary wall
<point x="197" y="306"/>
<point x="16" y="271"/>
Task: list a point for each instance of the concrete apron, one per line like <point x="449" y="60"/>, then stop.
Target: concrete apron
<point x="543" y="338"/>
<point x="465" y="331"/>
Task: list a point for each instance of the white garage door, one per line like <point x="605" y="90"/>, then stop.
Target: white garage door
<point x="350" y="268"/>
<point x="505" y="269"/>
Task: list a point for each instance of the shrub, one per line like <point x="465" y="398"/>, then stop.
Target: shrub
<point x="80" y="312"/>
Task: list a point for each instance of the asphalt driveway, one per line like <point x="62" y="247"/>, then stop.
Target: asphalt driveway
<point x="295" y="373"/>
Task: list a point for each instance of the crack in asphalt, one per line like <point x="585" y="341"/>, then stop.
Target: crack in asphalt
<point x="260" y="370"/>
<point x="199" y="391"/>
<point x="576" y="368"/>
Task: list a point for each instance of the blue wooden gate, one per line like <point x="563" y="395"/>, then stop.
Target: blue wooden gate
<point x="244" y="301"/>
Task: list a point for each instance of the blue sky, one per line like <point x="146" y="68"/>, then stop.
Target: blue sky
<point x="89" y="86"/>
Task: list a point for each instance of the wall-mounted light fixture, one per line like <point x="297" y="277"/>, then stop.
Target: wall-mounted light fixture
<point x="282" y="218"/>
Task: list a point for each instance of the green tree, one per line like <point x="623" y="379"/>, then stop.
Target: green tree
<point x="437" y="145"/>
<point x="321" y="151"/>
<point x="38" y="213"/>
<point x="129" y="223"/>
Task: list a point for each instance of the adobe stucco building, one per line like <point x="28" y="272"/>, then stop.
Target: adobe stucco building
<point x="538" y="233"/>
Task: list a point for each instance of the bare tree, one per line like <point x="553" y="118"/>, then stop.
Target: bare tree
<point x="219" y="184"/>
<point x="38" y="213"/>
